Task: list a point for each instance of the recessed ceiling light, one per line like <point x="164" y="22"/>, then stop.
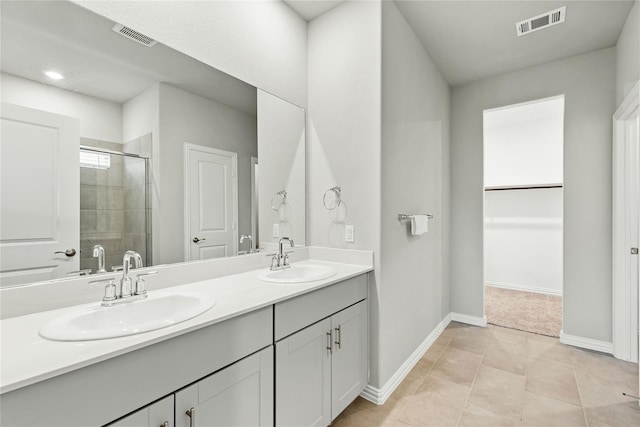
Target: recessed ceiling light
<point x="54" y="75"/>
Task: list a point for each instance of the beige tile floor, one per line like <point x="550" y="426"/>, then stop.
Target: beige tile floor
<point x="495" y="376"/>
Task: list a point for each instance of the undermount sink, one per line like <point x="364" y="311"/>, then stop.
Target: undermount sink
<point x="301" y="273"/>
<point x="159" y="310"/>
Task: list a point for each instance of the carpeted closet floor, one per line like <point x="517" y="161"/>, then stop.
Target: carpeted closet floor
<point x="525" y="311"/>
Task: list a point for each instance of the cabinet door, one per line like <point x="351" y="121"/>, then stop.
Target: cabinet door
<point x="239" y="395"/>
<point x="349" y="363"/>
<point x="303" y="377"/>
<point x="159" y="414"/>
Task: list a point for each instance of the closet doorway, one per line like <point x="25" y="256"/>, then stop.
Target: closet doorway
<point x="523" y="215"/>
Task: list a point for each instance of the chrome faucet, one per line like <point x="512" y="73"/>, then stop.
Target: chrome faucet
<point x="98" y="251"/>
<point x="125" y="282"/>
<point x="281" y="259"/>
<point x="244" y="237"/>
<point x="127" y="292"/>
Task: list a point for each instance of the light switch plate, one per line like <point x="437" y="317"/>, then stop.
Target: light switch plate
<point x="276" y="230"/>
<point x="349" y="234"/>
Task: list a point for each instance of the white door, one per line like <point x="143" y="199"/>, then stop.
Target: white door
<point x="39" y="195"/>
<point x="159" y="414"/>
<point x="626" y="212"/>
<point x="633" y="232"/>
<point x="240" y="395"/>
<point x="212" y="202"/>
<point x="349" y="368"/>
<point x="303" y="377"/>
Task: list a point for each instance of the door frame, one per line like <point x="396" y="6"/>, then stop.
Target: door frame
<point x="254" y="203"/>
<point x="188" y="148"/>
<point x="624" y="321"/>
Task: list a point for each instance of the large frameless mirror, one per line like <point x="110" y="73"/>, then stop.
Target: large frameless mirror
<point x="114" y="142"/>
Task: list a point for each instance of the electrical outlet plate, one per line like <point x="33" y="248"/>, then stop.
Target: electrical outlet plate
<point x="349" y="235"/>
<point x="276" y="230"/>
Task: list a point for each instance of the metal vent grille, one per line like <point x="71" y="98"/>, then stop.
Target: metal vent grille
<point x="134" y="35"/>
<point x="541" y="21"/>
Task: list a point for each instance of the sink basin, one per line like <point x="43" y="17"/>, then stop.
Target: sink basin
<point x="298" y="274"/>
<point x="159" y="310"/>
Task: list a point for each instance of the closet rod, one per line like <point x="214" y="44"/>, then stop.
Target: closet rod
<point x="523" y="187"/>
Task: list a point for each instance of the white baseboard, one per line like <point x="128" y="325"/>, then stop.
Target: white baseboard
<point x="525" y="288"/>
<point x="470" y="320"/>
<point x="380" y="395"/>
<point x="588" y="343"/>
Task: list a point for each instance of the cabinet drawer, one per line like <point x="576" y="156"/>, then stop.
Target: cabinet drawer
<point x="298" y="313"/>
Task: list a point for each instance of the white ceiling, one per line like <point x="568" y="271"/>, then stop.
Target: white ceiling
<point x="43" y="35"/>
<point x="311" y="9"/>
<point x="471" y="40"/>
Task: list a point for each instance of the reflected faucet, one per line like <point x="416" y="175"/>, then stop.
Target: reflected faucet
<point x="125" y="282"/>
<point x="98" y="251"/>
<point x="244" y="237"/>
<point x="281" y="259"/>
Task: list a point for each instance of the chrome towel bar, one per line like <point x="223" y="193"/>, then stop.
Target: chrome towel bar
<point x="405" y="217"/>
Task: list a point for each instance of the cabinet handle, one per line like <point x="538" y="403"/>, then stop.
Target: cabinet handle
<point x="330" y="341"/>
<point x="338" y="336"/>
<point x="191" y="413"/>
<point x="165" y="424"/>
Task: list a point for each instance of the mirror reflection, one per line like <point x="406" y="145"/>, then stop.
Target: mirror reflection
<point x="114" y="142"/>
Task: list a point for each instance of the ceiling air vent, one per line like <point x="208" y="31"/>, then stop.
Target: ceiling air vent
<point x="541" y="21"/>
<point x="132" y="34"/>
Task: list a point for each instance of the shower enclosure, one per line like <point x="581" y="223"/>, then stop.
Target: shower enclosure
<point x="114" y="204"/>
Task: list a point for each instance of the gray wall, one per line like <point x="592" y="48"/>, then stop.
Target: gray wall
<point x="415" y="153"/>
<point x="343" y="128"/>
<point x="628" y="54"/>
<point x="588" y="83"/>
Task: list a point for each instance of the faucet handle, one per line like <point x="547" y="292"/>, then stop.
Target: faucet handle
<point x="140" y="284"/>
<point x="109" y="290"/>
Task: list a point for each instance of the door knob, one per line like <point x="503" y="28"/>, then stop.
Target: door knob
<point x="196" y="240"/>
<point x="69" y="252"/>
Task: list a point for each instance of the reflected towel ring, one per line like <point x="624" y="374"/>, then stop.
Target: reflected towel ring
<point x="337" y="198"/>
<point x="283" y="209"/>
<point x="283" y="195"/>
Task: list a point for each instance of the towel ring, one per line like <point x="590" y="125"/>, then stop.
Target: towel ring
<point x="283" y="195"/>
<point x="337" y="198"/>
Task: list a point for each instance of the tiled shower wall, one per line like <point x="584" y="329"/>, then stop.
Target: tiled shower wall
<point x="112" y="208"/>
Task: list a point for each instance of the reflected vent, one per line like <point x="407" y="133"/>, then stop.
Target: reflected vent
<point x="132" y="34"/>
<point x="539" y="22"/>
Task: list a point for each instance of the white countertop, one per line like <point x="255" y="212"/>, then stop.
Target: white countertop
<point x="27" y="358"/>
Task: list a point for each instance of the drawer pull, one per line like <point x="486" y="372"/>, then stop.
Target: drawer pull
<point x="330" y="341"/>
<point x="191" y="413"/>
<point x="165" y="424"/>
<point x="338" y="336"/>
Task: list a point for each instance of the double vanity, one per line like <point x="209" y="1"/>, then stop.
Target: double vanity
<point x="265" y="347"/>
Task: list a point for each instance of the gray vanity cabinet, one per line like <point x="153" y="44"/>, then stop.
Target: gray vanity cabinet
<point x="159" y="414"/>
<point x="349" y="361"/>
<point x="321" y="368"/>
<point x="237" y="396"/>
<point x="303" y="378"/>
